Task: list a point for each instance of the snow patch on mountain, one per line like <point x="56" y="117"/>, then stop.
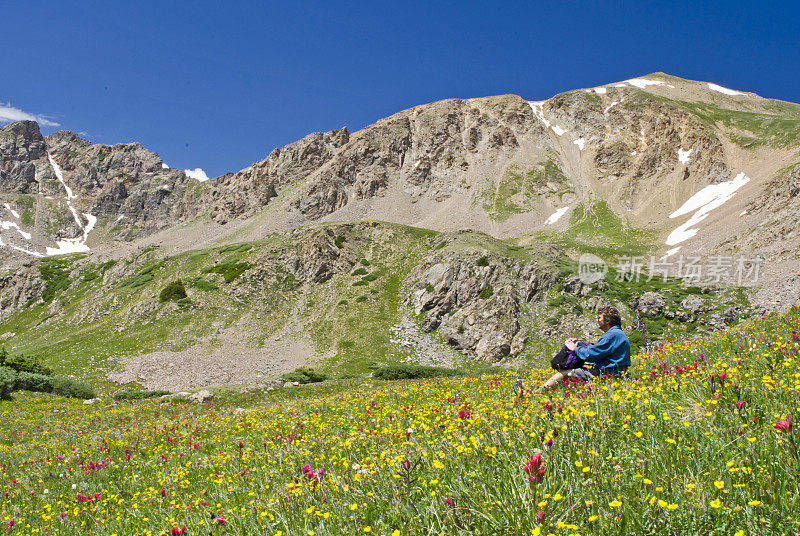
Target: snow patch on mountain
<point x="538" y="111"/>
<point x="610" y="106"/>
<point x="71" y="245"/>
<point x="683" y="156"/>
<point x="724" y="90"/>
<point x="702" y="203"/>
<point x="555" y="216"/>
<point x="23" y="250"/>
<point x="642" y="83"/>
<point x="11" y="210"/>
<point x="6" y="225"/>
<point x="580" y="142"/>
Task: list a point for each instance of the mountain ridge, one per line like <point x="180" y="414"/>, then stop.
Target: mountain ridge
<point x="645" y="167"/>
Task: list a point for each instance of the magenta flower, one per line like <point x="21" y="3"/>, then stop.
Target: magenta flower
<point x="311" y="474"/>
<point x="535" y="469"/>
<point x="783" y="425"/>
<point x="739" y="405"/>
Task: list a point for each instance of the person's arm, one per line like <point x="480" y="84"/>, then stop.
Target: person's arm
<point x="596" y="352"/>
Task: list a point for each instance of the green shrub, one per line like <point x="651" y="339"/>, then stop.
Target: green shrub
<point x="201" y="284"/>
<point x="70" y="388"/>
<point x="173" y="291"/>
<point x="483" y="261"/>
<point x="365" y="262"/>
<point x="487" y="292"/>
<point x="20" y="363"/>
<point x="304" y="375"/>
<point x="136" y="395"/>
<point x="241" y="248"/>
<point x="8" y="381"/>
<point x="30" y="381"/>
<point x="360" y="283"/>
<point x="410" y="372"/>
<point x="143" y="276"/>
<point x="342" y="302"/>
<point x="361" y="299"/>
<point x="359" y="271"/>
<point x="371" y="277"/>
<point x="229" y="270"/>
<point x="428" y="287"/>
<point x="55" y="273"/>
<point x="339" y="241"/>
<point x="440" y="245"/>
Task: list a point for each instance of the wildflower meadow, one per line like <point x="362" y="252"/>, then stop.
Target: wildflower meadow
<point x="699" y="439"/>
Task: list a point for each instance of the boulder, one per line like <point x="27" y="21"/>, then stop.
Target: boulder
<point x="694" y="304"/>
<point x="201" y="396"/>
<point x="652" y="303"/>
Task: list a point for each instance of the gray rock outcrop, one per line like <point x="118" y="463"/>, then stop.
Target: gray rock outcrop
<point x="474" y="300"/>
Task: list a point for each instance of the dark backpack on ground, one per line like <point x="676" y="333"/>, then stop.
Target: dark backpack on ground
<point x="566" y="359"/>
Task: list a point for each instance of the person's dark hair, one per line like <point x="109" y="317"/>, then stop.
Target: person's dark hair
<point x="611" y="314"/>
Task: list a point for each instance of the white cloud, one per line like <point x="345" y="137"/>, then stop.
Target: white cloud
<point x="197" y="174"/>
<point x="9" y="114"/>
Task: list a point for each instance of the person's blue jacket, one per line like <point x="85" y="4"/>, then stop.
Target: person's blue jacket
<point x="611" y="354"/>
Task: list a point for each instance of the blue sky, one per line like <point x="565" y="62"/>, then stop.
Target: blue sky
<point x="220" y="87"/>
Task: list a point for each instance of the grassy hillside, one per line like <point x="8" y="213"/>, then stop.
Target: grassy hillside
<point x="699" y="439"/>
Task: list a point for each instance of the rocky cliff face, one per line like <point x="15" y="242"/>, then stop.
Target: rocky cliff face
<point x="251" y="189"/>
<point x="57" y="190"/>
<point x="474" y="299"/>
<point x="21" y="145"/>
<point x="123" y="185"/>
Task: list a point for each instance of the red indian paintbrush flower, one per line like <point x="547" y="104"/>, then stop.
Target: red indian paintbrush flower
<point x="535" y="468"/>
<point x="783" y="425"/>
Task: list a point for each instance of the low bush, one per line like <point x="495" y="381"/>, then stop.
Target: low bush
<point x="359" y="271"/>
<point x="483" y="261"/>
<point x="143" y="276"/>
<point x="8" y="381"/>
<point x="304" y="375"/>
<point x="173" y="291"/>
<point x="410" y="372"/>
<point x="365" y="262"/>
<point x="201" y="284"/>
<point x="137" y="395"/>
<point x="21" y="363"/>
<point x="229" y="270"/>
<point x="38" y="383"/>
<point x="71" y="388"/>
<point x="339" y="241"/>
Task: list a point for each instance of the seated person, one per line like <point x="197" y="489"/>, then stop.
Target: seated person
<point x="610" y="356"/>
